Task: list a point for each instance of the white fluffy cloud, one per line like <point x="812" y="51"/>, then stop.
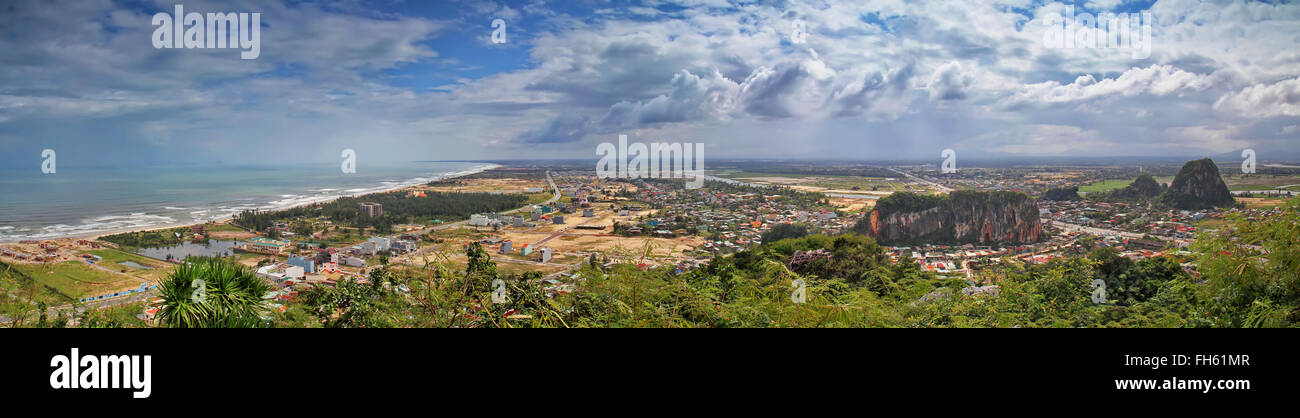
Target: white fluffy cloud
<point x="1264" y="100"/>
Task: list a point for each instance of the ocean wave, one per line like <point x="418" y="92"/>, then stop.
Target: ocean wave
<point x="97" y="225"/>
<point x="141" y="220"/>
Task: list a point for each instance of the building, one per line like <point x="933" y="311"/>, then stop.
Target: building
<point x="371" y="209"/>
<point x="381" y="243"/>
<point x="281" y="272"/>
<point x="308" y="266"/>
<point x="484" y="220"/>
<point x="1149" y="245"/>
<point x="558" y="220"/>
<point x="262" y="245"/>
<point x="354" y="262"/>
<point x="587" y="213"/>
<point x="405" y="246"/>
<point x="544" y="254"/>
<point x="506" y="247"/>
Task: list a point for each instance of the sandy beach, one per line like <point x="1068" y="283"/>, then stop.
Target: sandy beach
<point x="228" y="219"/>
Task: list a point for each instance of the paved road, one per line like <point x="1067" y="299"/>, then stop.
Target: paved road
<point x="941" y="187"/>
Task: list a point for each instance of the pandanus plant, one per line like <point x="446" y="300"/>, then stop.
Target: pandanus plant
<point x="212" y="293"/>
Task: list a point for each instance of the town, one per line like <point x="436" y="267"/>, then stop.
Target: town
<point x="571" y="215"/>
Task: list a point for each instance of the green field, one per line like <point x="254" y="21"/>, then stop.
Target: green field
<point x="113" y="259"/>
<point x="1254" y="182"/>
<point x="537" y="198"/>
<point x="76" y="279"/>
<point x="1107" y="185"/>
<point x="14" y="289"/>
<point x="224" y="228"/>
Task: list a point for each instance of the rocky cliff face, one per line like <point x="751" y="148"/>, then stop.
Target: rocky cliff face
<point x="1197" y="186"/>
<point x="963" y="217"/>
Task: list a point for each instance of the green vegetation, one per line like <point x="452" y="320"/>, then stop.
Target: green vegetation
<point x="1062" y="194"/>
<point x="112" y="259"/>
<point x="75" y="279"/>
<point x="149" y="239"/>
<point x="1197" y="186"/>
<point x="398" y="208"/>
<point x="212" y="293"/>
<point x="1143" y="189"/>
<point x="17" y="290"/>
<point x="784" y="231"/>
<point x="1251" y="271"/>
<point x="1247" y="276"/>
<point x="1104" y="185"/>
<point x="908" y="202"/>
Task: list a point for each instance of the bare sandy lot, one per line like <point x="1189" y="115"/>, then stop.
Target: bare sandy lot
<point x="1260" y="202"/>
<point x="853" y="205"/>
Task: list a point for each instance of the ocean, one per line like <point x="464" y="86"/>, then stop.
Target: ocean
<point x="80" y="201"/>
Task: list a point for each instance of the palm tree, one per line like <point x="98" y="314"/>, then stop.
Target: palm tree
<point x="210" y="292"/>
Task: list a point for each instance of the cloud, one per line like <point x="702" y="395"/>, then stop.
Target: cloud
<point x="1153" y="80"/>
<point x="949" y="82"/>
<point x="1264" y="100"/>
<point x="691" y="98"/>
<point x="562" y="129"/>
<point x="375" y="74"/>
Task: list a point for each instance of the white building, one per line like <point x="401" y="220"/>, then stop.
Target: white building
<point x="354" y="262"/>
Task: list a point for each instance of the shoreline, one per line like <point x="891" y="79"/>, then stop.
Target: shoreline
<point x="91" y="236"/>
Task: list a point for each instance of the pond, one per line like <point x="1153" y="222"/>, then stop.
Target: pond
<point x="135" y="265"/>
<point x="211" y="248"/>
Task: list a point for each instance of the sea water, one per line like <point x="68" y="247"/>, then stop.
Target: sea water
<point x="80" y="201"/>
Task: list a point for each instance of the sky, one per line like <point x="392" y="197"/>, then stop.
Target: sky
<point x="863" y="79"/>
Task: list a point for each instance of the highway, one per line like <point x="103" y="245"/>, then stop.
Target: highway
<point x="941" y="187"/>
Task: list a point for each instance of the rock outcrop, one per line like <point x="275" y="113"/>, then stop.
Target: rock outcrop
<point x="1197" y="186"/>
<point x="1062" y="194"/>
<point x="962" y="217"/>
<point x="1145" y="187"/>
